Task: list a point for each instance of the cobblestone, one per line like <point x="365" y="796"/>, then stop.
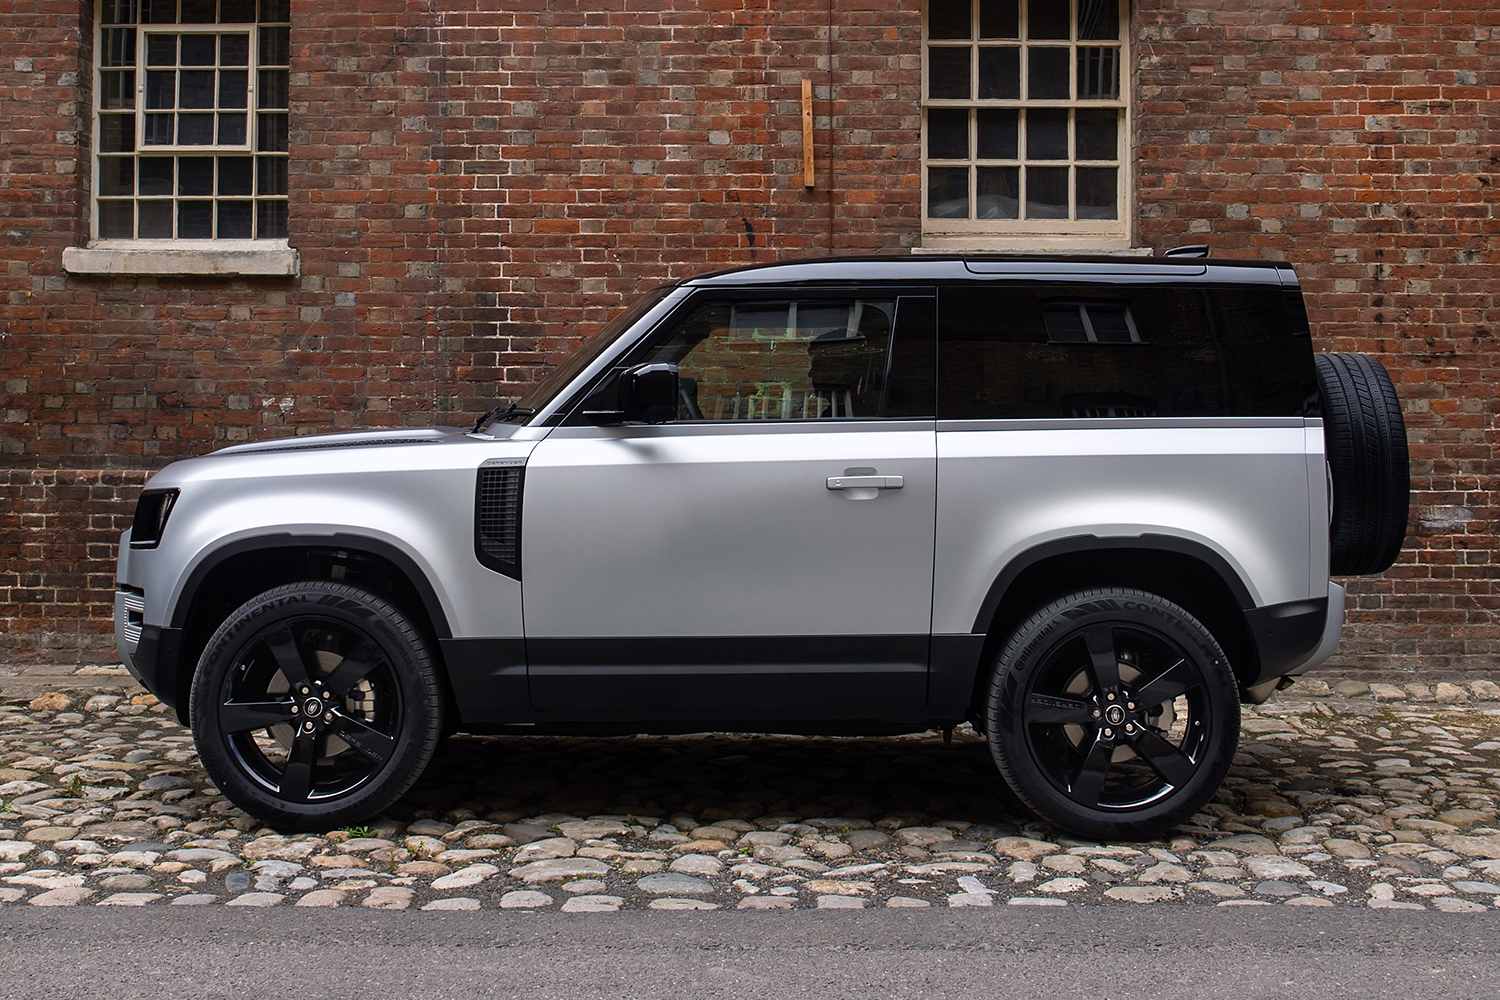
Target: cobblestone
<point x="1352" y="797"/>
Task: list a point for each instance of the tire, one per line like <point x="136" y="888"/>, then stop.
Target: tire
<point x="315" y="705"/>
<point x="1073" y="736"/>
<point x="1365" y="439"/>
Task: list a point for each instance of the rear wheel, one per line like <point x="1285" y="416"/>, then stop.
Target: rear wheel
<point x="315" y="705"/>
<point x="1113" y="713"/>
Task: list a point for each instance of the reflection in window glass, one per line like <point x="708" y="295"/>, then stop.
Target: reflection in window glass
<point x="800" y="360"/>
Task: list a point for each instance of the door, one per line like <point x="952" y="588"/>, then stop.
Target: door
<point x="767" y="555"/>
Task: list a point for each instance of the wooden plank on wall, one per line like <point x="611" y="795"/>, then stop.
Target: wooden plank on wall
<point x="807" y="133"/>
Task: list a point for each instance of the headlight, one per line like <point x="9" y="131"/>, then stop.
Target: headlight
<point x="151" y="513"/>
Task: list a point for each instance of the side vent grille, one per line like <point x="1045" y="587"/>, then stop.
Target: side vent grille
<point x="497" y="518"/>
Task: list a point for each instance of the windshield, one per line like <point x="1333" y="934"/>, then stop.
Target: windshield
<point x="558" y="378"/>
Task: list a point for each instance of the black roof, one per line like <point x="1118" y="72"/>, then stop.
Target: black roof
<point x="970" y="267"/>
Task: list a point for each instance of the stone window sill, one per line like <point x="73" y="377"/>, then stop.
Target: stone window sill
<point x="1027" y="244"/>
<point x="258" y="258"/>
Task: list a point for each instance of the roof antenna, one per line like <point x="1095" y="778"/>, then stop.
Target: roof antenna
<point x="1191" y="250"/>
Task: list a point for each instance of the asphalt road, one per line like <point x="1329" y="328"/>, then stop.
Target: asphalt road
<point x="1162" y="952"/>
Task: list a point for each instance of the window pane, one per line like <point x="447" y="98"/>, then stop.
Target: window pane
<point x="948" y="134"/>
<point x="233" y="88"/>
<point x="161" y="50"/>
<point x="832" y="365"/>
<point x="161" y="87"/>
<point x="948" y="19"/>
<point x="195" y="220"/>
<point x="234" y="174"/>
<point x="156" y="220"/>
<point x="234" y="219"/>
<point x="1046" y="19"/>
<point x="234" y="50"/>
<point x="1098" y="19"/>
<point x="232" y="130"/>
<point x="1000" y="73"/>
<point x="117" y="90"/>
<point x="1098" y="73"/>
<point x="999" y="194"/>
<point x="999" y="19"/>
<point x="198" y="11"/>
<point x="947" y="73"/>
<point x="275" y="10"/>
<point x="1097" y="193"/>
<point x="1047" y="74"/>
<point x="271" y="88"/>
<point x="116" y="133"/>
<point x="158" y="11"/>
<point x="196" y="89"/>
<point x="1014" y="369"/>
<point x="270" y="133"/>
<point x="195" y="175"/>
<point x="195" y="130"/>
<point x="275" y="43"/>
<point x="270" y="222"/>
<point x="948" y="193"/>
<point x="270" y="175"/>
<point x="159" y="130"/>
<point x="237" y="11"/>
<point x="198" y="50"/>
<point x="1096" y="133"/>
<point x="118" y="46"/>
<point x="115" y="220"/>
<point x="1047" y="192"/>
<point x="117" y="176"/>
<point x="117" y="12"/>
<point x="1047" y="134"/>
<point x="156" y="175"/>
<point x="998" y="133"/>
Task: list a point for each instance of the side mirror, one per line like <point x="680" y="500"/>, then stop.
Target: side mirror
<point x="648" y="393"/>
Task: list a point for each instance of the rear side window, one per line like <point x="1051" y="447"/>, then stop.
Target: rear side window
<point x="1016" y="351"/>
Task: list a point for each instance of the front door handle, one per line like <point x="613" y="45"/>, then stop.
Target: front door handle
<point x="866" y="482"/>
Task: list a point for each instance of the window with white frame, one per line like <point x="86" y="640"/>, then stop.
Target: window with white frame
<point x="192" y="119"/>
<point x="1024" y="117"/>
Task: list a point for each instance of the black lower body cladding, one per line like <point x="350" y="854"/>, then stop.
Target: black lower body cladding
<point x="1365" y="437"/>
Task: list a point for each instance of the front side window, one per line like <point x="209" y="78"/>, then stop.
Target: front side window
<point x="1024" y="116"/>
<point x="782" y="360"/>
<point x="192" y="119"/>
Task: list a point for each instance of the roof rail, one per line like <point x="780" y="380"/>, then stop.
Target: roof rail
<point x="1191" y="250"/>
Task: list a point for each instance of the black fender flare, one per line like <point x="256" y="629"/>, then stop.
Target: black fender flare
<point x="1088" y="543"/>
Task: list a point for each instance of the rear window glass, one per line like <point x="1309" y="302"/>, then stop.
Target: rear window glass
<point x="1012" y="351"/>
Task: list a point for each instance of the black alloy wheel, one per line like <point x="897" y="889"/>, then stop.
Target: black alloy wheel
<point x="315" y="705"/>
<point x="1113" y="713"/>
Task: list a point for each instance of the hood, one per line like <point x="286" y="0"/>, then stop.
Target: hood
<point x="364" y="439"/>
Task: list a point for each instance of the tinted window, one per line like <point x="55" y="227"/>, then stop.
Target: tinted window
<point x="1056" y="351"/>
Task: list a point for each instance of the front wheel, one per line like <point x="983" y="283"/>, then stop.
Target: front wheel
<point x="315" y="705"/>
<point x="1113" y="713"/>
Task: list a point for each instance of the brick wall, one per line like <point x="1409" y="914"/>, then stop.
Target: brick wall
<point x="474" y="189"/>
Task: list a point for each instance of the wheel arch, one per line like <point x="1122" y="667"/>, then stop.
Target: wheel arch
<point x="237" y="571"/>
<point x="1182" y="571"/>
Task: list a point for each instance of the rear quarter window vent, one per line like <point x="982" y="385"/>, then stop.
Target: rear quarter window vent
<point x="497" y="516"/>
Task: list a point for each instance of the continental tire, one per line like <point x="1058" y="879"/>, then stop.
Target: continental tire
<point x="1365" y="438"/>
<point x="315" y="705"/>
<point x="1113" y="713"/>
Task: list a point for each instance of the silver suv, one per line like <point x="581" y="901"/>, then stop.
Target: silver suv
<point x="1087" y="505"/>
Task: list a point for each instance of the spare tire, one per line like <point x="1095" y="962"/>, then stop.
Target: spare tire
<point x="1365" y="439"/>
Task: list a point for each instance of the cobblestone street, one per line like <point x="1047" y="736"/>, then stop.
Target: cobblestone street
<point x="1348" y="798"/>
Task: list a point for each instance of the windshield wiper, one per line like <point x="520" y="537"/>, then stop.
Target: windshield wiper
<point x="501" y="413"/>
